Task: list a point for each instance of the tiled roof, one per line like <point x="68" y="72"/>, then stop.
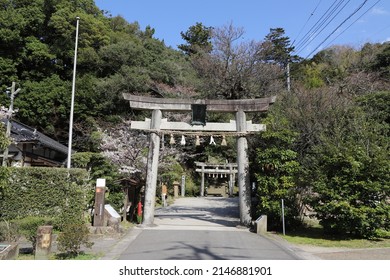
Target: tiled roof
<point x="23" y="133"/>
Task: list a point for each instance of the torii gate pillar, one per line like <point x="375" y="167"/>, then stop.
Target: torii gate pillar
<point x="152" y="168"/>
<point x="243" y="177"/>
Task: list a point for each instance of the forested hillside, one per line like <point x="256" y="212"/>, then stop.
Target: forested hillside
<point x="326" y="148"/>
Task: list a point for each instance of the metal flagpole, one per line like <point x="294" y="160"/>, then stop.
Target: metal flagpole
<point x="73" y="93"/>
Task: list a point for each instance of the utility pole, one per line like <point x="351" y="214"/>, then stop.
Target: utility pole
<point x="13" y="93"/>
<point x="288" y="77"/>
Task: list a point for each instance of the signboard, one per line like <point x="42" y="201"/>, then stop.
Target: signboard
<point x="198" y="114"/>
<point x="111" y="211"/>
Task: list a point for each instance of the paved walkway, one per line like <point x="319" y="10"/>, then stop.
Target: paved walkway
<point x="111" y="248"/>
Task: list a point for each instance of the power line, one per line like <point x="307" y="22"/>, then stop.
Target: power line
<point x="324" y="20"/>
<point x="303" y="27"/>
<point x="308" y="33"/>
<point x="353" y="13"/>
<point x="355" y="22"/>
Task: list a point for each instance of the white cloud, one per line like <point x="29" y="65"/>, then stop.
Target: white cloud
<point x="379" y="11"/>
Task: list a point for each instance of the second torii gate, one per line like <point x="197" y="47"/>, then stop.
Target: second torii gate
<point x="223" y="169"/>
<point x="240" y="127"/>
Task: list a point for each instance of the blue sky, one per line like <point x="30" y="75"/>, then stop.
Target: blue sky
<point x="297" y="17"/>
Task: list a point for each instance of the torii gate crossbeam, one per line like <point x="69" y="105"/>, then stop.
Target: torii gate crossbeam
<point x="155" y="127"/>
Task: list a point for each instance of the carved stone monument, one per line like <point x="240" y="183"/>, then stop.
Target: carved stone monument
<point x="44" y="241"/>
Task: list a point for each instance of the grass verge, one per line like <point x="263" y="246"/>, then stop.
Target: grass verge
<point x="314" y="236"/>
<point x="82" y="256"/>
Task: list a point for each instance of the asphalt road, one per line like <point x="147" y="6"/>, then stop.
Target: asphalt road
<point x="201" y="229"/>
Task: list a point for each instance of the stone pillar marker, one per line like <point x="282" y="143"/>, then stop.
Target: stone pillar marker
<point x="231" y="181"/>
<point x="98" y="217"/>
<point x="44" y="240"/>
<point x="202" y="183"/>
<point x="183" y="185"/>
<point x="176" y="185"/>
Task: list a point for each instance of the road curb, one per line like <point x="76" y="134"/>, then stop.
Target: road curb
<point x="119" y="247"/>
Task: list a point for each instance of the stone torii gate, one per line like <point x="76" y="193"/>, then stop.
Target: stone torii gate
<point x="218" y="169"/>
<point x="240" y="127"/>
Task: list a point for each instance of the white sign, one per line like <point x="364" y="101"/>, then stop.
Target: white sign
<point x="100" y="183"/>
<point x="111" y="211"/>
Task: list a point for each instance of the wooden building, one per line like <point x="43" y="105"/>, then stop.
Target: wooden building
<point x="29" y="147"/>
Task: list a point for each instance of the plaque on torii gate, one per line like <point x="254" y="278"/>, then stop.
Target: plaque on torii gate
<point x="240" y="127"/>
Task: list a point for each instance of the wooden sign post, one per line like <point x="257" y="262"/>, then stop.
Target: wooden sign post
<point x="98" y="217"/>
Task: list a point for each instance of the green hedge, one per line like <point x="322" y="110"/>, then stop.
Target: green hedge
<point x="44" y="192"/>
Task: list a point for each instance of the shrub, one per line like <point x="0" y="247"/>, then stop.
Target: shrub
<point x="73" y="235"/>
<point x="351" y="178"/>
<point x="28" y="227"/>
<point x="8" y="231"/>
<point x="74" y="231"/>
<point x="34" y="194"/>
<point x="43" y="192"/>
<point x="277" y="170"/>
